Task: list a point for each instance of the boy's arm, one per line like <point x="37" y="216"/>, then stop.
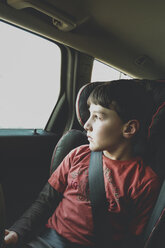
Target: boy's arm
<point x="34" y="219"/>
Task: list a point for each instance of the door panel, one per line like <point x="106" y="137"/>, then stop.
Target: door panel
<point x="24" y="167"/>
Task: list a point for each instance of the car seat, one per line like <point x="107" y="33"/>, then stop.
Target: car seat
<point x="153" y="235"/>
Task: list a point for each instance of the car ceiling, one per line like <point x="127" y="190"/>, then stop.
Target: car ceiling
<point x="128" y="35"/>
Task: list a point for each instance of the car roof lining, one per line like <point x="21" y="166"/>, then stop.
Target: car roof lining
<point x="123" y="34"/>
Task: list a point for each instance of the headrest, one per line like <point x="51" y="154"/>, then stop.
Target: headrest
<point x="81" y="102"/>
<point x="158" y="119"/>
<point x="155" y="87"/>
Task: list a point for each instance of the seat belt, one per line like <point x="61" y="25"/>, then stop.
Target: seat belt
<point x="156" y="217"/>
<point x="98" y="200"/>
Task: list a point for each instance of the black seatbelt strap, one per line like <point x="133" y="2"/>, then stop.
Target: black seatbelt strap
<point x="156" y="216"/>
<point x="98" y="200"/>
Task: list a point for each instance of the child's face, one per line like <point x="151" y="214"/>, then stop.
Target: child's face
<point x="104" y="129"/>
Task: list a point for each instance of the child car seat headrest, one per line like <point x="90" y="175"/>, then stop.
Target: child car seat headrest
<point x="81" y="102"/>
<point x="158" y="119"/>
<point x="155" y="87"/>
<point x="83" y="112"/>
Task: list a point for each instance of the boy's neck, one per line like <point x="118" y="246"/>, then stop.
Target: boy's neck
<point x="122" y="153"/>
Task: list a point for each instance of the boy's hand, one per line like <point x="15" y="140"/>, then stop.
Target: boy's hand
<point x="11" y="237"/>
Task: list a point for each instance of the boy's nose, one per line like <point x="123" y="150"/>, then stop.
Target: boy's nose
<point x="87" y="125"/>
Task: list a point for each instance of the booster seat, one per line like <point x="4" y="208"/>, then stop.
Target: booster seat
<point x="153" y="236"/>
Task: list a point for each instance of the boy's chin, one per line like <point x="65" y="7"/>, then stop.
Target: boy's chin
<point x="93" y="148"/>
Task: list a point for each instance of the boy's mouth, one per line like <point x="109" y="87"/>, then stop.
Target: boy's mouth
<point x="89" y="138"/>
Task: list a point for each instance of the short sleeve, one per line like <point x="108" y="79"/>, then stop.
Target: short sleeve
<point x="143" y="202"/>
<point x="58" y="179"/>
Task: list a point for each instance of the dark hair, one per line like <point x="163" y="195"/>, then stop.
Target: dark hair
<point x="128" y="98"/>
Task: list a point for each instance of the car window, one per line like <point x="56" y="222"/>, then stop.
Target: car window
<point x="29" y="78"/>
<point x="103" y="72"/>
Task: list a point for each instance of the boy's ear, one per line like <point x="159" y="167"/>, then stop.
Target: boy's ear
<point x="131" y="128"/>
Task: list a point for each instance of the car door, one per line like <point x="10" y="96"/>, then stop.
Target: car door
<point x="30" y="87"/>
<point x="38" y="89"/>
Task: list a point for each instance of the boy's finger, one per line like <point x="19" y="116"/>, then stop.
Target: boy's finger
<point x="6" y="231"/>
<point x="8" y="238"/>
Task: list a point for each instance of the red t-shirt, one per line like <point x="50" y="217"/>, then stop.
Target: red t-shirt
<point x="131" y="191"/>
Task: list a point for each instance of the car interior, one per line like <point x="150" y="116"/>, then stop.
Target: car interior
<point x="126" y="36"/>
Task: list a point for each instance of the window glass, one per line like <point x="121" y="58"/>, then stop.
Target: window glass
<point x="29" y="78"/>
<point x="103" y="72"/>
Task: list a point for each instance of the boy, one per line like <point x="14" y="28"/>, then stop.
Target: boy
<point x="118" y="115"/>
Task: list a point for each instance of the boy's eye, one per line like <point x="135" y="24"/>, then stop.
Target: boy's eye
<point x="97" y="117"/>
